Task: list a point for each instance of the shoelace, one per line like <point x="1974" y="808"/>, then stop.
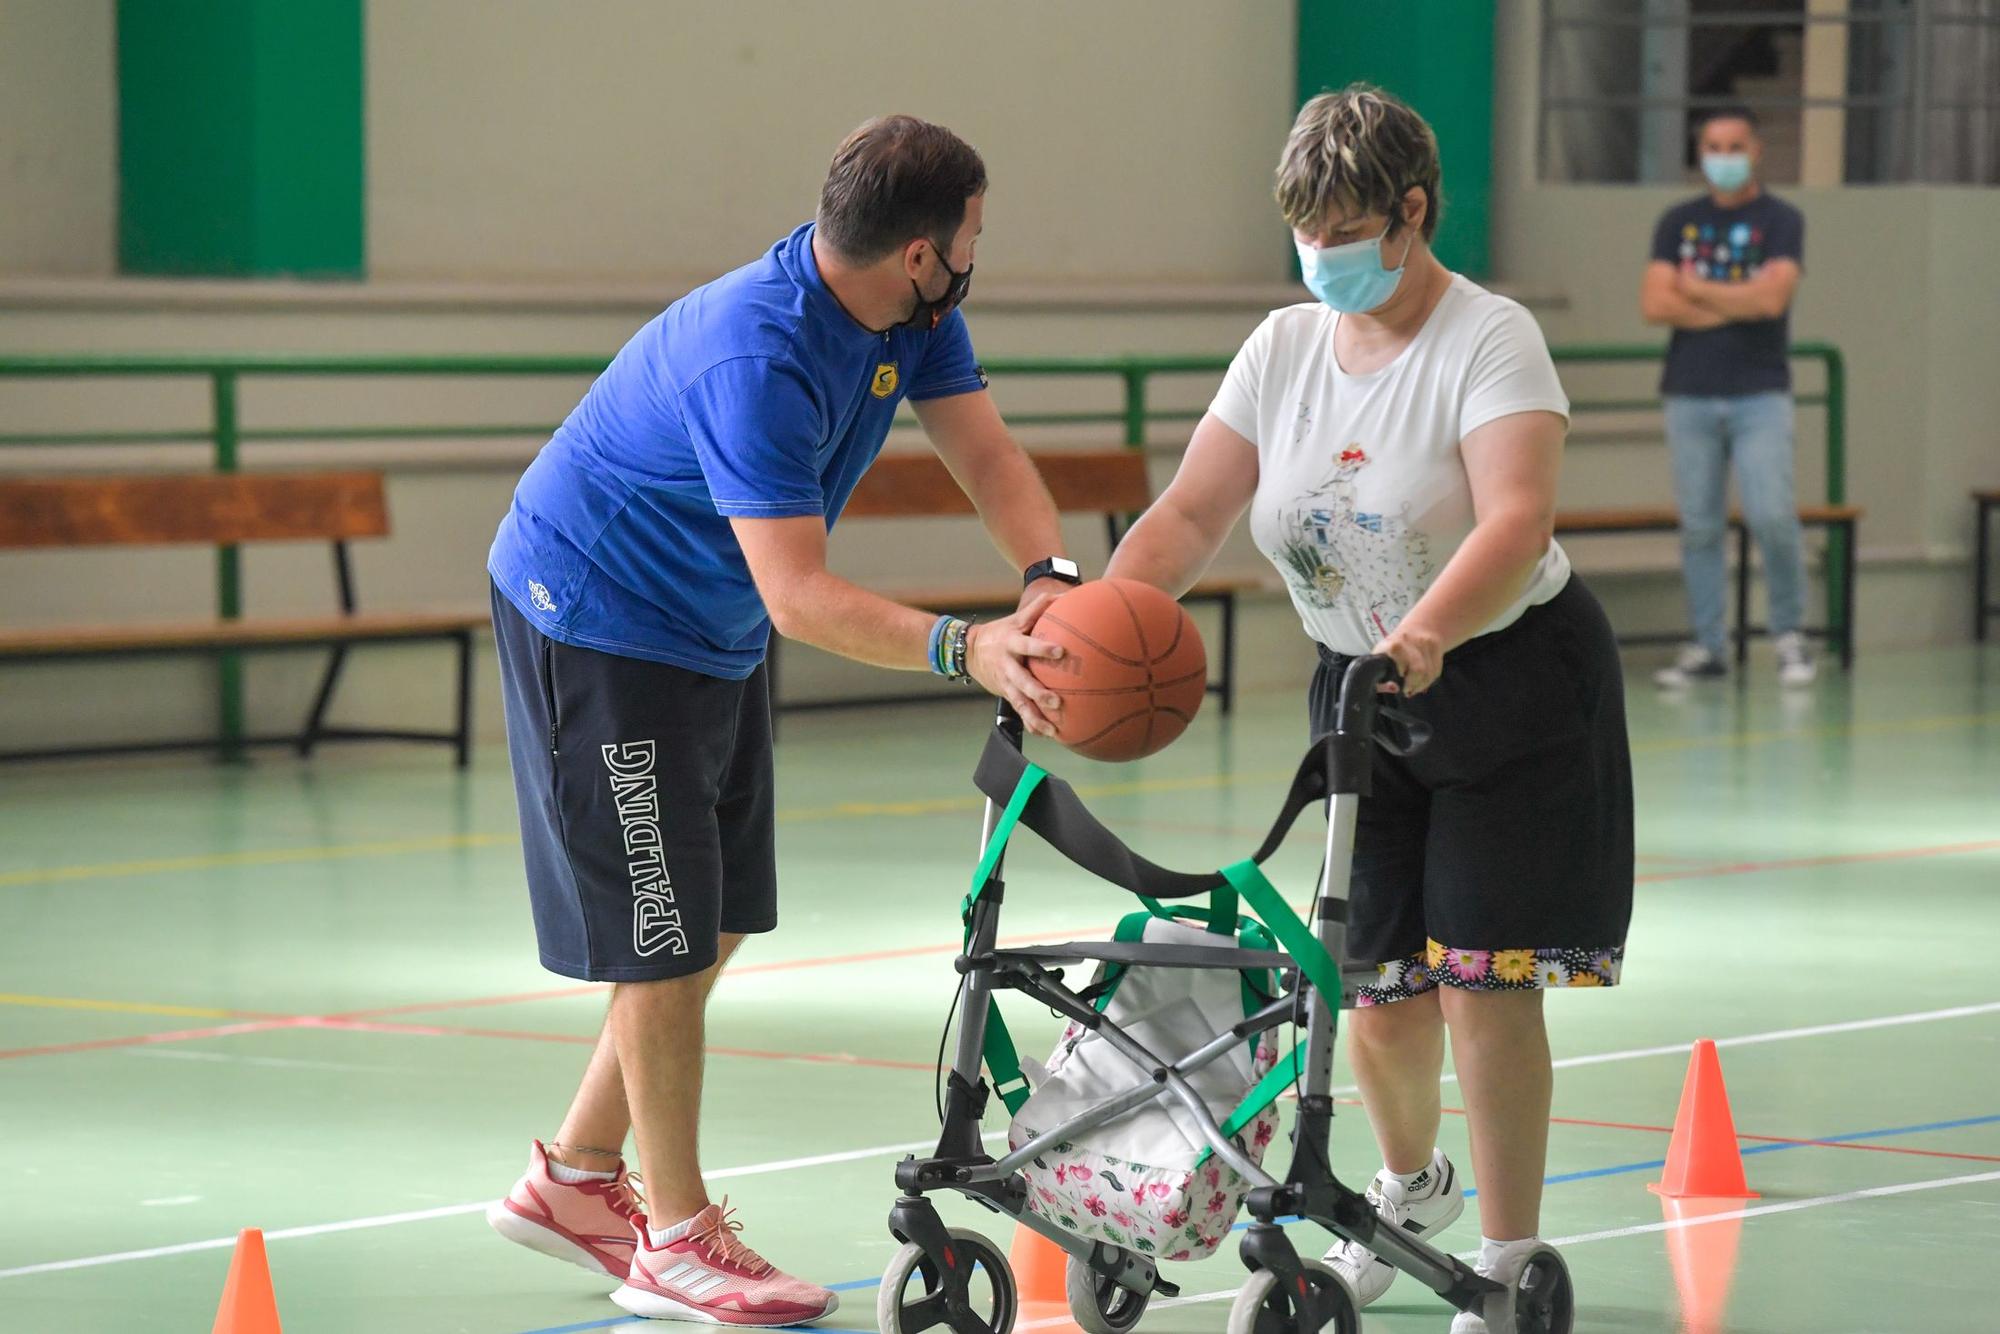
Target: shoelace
<point x="628" y="1193"/>
<point x="719" y="1238"/>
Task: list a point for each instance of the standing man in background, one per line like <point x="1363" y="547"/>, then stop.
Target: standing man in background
<point x="678" y="516"/>
<point x="1724" y="268"/>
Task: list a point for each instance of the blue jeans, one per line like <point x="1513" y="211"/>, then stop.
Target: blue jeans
<point x="1754" y="431"/>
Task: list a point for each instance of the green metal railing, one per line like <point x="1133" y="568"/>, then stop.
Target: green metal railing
<point x="225" y="434"/>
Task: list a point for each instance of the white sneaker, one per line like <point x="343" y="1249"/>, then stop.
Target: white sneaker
<point x="1507" y="1271"/>
<point x="1424" y="1209"/>
<point x="1796" y="666"/>
<point x="1694" y="663"/>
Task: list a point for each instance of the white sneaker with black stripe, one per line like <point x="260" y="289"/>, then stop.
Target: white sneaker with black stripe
<point x="1423" y="1208"/>
<point x="1796" y="667"/>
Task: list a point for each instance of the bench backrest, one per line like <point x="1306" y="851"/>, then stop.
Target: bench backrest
<point x="211" y="509"/>
<point x="909" y="486"/>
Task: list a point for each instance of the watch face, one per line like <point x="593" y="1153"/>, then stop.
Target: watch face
<point x="1065" y="567"/>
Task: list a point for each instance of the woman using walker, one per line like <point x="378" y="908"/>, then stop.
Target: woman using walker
<point x="1397" y="443"/>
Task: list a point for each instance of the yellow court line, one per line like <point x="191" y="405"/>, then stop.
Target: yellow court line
<point x="1937" y="724"/>
<point x="116" y="1007"/>
<point x="854" y="810"/>
<point x="253" y="857"/>
<point x="861" y="810"/>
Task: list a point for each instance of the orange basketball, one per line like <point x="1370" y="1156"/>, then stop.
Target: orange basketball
<point x="1133" y="670"/>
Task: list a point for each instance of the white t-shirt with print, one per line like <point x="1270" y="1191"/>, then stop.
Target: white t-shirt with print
<point x="1362" y="495"/>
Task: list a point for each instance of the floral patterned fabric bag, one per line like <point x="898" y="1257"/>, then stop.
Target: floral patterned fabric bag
<point x="1147" y="1180"/>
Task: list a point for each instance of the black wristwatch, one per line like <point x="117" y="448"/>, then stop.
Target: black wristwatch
<point x="1053" y="567"/>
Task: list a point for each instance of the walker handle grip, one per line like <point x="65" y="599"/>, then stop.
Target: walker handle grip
<point x="1361" y="693"/>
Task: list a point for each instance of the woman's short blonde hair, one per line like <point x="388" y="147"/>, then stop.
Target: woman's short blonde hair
<point x="1357" y="152"/>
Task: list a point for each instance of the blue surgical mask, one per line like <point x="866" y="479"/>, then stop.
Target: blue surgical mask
<point x="1351" y="278"/>
<point x="1727" y="172"/>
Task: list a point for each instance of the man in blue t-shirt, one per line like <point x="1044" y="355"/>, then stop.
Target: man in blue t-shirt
<point x="1724" y="268"/>
<point x="677" y="517"/>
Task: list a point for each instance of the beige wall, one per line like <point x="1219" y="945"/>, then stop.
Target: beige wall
<point x="521" y="141"/>
<point x="1125" y="139"/>
<point x="58" y="137"/>
<point x="479" y="169"/>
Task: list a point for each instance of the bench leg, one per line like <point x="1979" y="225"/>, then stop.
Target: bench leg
<point x="336" y="660"/>
<point x="1742" y="596"/>
<point x="1982" y="557"/>
<point x="1848" y="556"/>
<point x="1228" y="653"/>
<point x="464" y="734"/>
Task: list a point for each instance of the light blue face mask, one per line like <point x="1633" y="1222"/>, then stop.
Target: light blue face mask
<point x="1727" y="172"/>
<point x="1350" y="278"/>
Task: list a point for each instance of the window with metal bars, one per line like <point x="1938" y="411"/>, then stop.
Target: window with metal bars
<point x="1847" y="91"/>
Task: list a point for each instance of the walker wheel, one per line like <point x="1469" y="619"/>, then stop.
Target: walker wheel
<point x="1099" y="1304"/>
<point x="1542" y="1298"/>
<point x="1264" y="1307"/>
<point x="970" y="1289"/>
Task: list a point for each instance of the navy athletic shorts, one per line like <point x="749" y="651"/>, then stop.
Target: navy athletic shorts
<point x="645" y="796"/>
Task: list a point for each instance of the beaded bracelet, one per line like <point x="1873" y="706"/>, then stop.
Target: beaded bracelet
<point x="960" y="641"/>
<point x="949" y="637"/>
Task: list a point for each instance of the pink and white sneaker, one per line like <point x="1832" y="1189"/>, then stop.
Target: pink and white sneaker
<point x="706" y="1274"/>
<point x="588" y="1224"/>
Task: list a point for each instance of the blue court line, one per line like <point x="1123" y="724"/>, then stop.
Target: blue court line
<point x="1773" y="1149"/>
<point x="1621" y="1169"/>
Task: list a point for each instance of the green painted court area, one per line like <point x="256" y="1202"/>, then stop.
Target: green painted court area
<point x="304" y="998"/>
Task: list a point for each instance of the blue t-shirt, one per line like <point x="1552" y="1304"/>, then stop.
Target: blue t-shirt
<point x="1730" y="245"/>
<point x="755" y="396"/>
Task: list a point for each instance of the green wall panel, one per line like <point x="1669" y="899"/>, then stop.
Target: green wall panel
<point x="240" y="149"/>
<point x="1437" y="55"/>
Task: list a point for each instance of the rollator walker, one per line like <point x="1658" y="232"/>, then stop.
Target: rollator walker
<point x="933" y="1278"/>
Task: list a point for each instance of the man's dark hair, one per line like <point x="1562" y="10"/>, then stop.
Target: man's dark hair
<point x="894" y="180"/>
<point x="1709" y="116"/>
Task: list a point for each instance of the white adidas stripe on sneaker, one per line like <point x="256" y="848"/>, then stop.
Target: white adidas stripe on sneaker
<point x="693" y="1279"/>
<point x="1423" y="1216"/>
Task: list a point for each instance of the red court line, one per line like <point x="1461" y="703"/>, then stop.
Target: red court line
<point x="1692" y="872"/>
<point x="1835" y="859"/>
<point x="516" y="998"/>
<point x="737" y="971"/>
<point x="147" y="1039"/>
<point x="874" y="956"/>
<point x="1772" y="1139"/>
<point x="825" y="1058"/>
<point x="522" y="1035"/>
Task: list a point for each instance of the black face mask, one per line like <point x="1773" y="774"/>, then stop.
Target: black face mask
<point x="930" y="313"/>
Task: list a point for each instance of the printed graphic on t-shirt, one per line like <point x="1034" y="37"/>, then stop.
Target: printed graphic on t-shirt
<point x="1339" y="555"/>
<point x="1731" y="253"/>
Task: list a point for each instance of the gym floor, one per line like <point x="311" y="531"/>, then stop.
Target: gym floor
<point x="305" y="998"/>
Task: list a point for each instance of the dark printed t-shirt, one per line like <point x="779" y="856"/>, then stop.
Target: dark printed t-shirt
<point x="1729" y="245"/>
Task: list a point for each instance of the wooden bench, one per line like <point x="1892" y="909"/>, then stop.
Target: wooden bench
<point x="1658" y="519"/>
<point x="1108" y="482"/>
<point x="226" y="510"/>
<point x="1985" y="504"/>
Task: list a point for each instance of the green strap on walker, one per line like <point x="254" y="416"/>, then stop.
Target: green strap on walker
<point x="1003" y="1061"/>
<point x="1245" y="879"/>
<point x="1250" y="881"/>
<point x="1299" y="941"/>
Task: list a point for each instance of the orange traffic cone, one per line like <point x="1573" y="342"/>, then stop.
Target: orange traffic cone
<point x="1703" y="1254"/>
<point x="1703" y="1158"/>
<point x="248" y="1304"/>
<point x="1040" y="1267"/>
